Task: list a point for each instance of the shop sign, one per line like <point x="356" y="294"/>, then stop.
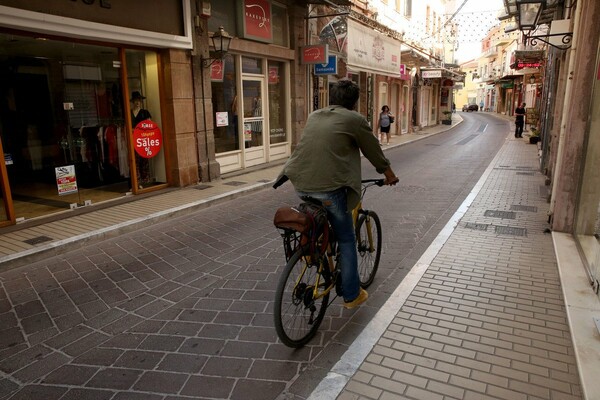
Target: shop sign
<point x="217" y="71"/>
<point x="432" y="74"/>
<point x="66" y="181"/>
<point x="330" y="68"/>
<point x="147" y="139"/>
<point x="524" y="64"/>
<point x="314" y="54"/>
<point x="369" y="50"/>
<point x="256" y="20"/>
<point x="403" y="74"/>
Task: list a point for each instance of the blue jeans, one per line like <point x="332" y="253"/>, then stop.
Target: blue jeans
<point x="341" y="220"/>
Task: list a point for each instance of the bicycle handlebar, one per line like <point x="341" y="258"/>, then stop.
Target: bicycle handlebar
<point x="378" y="182"/>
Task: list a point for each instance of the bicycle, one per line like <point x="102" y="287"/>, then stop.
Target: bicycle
<point x="302" y="294"/>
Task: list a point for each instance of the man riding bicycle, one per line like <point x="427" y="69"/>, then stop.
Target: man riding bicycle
<point x="326" y="166"/>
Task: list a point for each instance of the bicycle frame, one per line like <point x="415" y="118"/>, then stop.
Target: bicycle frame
<point x="358" y="210"/>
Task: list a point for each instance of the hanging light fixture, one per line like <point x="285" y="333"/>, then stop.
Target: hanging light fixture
<point x="220" y="42"/>
<point x="529" y="12"/>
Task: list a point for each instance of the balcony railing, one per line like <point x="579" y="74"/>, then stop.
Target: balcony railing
<point x="491" y="52"/>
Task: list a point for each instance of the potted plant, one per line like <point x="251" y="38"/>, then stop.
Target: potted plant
<point x="535" y="136"/>
<point x="448" y="118"/>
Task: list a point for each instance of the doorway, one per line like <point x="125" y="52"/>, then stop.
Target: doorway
<point x="253" y="121"/>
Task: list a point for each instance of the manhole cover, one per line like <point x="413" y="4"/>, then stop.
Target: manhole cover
<point x="519" y="207"/>
<point x="509" y="230"/>
<point x="500" y="214"/>
<point x="38" y="240"/>
<point x="235" y="183"/>
<point x="477" y="227"/>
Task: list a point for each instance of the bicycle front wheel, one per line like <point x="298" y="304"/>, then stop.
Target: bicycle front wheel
<point x="297" y="314"/>
<point x="368" y="239"/>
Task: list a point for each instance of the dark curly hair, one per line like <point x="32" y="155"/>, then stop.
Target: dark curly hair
<point x="344" y="93"/>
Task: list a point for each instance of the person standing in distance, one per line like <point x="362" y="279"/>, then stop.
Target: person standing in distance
<point x="326" y="165"/>
<point x="519" y="121"/>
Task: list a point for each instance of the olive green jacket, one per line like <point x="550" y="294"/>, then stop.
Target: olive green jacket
<point x="328" y="155"/>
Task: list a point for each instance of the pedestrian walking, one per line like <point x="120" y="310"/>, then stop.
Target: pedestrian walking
<point x="384" y="124"/>
<point x="519" y="121"/>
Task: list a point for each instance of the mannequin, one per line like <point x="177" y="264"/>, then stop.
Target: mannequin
<point x="139" y="114"/>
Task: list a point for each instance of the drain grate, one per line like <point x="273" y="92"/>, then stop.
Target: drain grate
<point x="477" y="227"/>
<point x="526" y="173"/>
<point x="38" y="240"/>
<point x="202" y="187"/>
<point x="519" y="207"/>
<point x="509" y="230"/>
<point x="235" y="183"/>
<point x="500" y="214"/>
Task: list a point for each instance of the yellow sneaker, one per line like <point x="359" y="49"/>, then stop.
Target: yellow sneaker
<point x="361" y="298"/>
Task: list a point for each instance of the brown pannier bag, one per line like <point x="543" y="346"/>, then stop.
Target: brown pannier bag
<point x="292" y="218"/>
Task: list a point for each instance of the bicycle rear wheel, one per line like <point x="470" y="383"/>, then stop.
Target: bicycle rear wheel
<point x="368" y="239"/>
<point x="297" y="315"/>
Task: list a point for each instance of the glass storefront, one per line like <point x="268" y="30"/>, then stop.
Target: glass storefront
<point x="224" y="99"/>
<point x="62" y="108"/>
<point x="587" y="226"/>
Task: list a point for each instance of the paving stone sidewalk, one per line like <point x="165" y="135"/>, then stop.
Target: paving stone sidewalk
<point x="487" y="318"/>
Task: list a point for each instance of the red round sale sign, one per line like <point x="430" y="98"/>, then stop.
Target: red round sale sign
<point x="147" y="139"/>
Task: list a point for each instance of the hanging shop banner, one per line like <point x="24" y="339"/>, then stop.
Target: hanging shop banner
<point x="147" y="139"/>
<point x="216" y="71"/>
<point x="256" y="20"/>
<point x="330" y="68"/>
<point x="66" y="181"/>
<point x="314" y="54"/>
<point x="273" y="75"/>
<point x="371" y="51"/>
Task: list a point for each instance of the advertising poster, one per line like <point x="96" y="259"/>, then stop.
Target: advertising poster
<point x="66" y="180"/>
<point x="222" y="118"/>
<point x="147" y="139"/>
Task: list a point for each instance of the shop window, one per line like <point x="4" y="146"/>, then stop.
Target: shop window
<point x="223" y="13"/>
<point x="144" y="98"/>
<point x="252" y="65"/>
<point x="279" y="18"/>
<point x="277" y="103"/>
<point x="225" y="100"/>
<point x="62" y="109"/>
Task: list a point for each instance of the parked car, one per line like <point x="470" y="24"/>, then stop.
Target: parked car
<point x="465" y="108"/>
<point x="470" y="107"/>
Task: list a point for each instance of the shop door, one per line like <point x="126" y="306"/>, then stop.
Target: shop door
<point x="394" y="108"/>
<point x="6" y="210"/>
<point x="404" y="109"/>
<point x="425" y="96"/>
<point x="253" y="121"/>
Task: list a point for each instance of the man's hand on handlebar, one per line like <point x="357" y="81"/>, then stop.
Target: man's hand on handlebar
<point x="390" y="178"/>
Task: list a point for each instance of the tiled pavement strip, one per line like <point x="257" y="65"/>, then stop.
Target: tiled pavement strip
<point x="481" y="315"/>
<point x="486" y="320"/>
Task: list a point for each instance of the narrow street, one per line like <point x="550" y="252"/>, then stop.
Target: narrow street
<point x="182" y="309"/>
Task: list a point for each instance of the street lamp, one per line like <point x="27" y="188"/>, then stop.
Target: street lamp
<point x="220" y="42"/>
<point x="529" y="12"/>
